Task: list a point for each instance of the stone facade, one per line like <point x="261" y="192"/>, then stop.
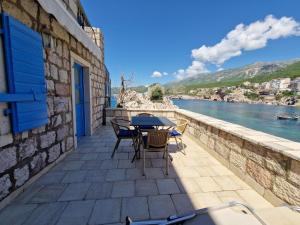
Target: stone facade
<point x="269" y="164"/>
<point x="24" y="155"/>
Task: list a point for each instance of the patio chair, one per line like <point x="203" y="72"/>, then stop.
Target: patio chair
<point x="178" y="132"/>
<point x="156" y="141"/>
<point x="124" y="132"/>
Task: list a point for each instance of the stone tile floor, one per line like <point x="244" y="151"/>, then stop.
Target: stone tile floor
<point x="88" y="187"/>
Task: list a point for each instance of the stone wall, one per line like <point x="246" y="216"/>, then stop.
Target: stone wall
<point x="269" y="164"/>
<point x="24" y="155"/>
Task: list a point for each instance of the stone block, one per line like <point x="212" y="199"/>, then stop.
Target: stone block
<point x="238" y="160"/>
<point x="59" y="31"/>
<point x="62" y="133"/>
<point x="54" y="71"/>
<point x="8" y="158"/>
<point x="5" y="185"/>
<point x="276" y="162"/>
<point x="235" y="143"/>
<point x="167" y="186"/>
<point x="38" y="162"/>
<point x="294" y="173"/>
<point x="63" y="76"/>
<point x="54" y="153"/>
<point x="44" y="18"/>
<point x="16" y="12"/>
<point x="30" y="7"/>
<point x="260" y="174"/>
<point x="47" y="139"/>
<point x="161" y="206"/>
<point x="6" y="140"/>
<point x="28" y="148"/>
<point x="136" y="208"/>
<point x="21" y="175"/>
<point x="254" y="152"/>
<point x="106" y="211"/>
<point x="222" y="149"/>
<point x="56" y="120"/>
<point x="70" y="143"/>
<point x="61" y="104"/>
<point x="62" y="89"/>
<point x="286" y="191"/>
<point x="50" y="86"/>
<point x="123" y="189"/>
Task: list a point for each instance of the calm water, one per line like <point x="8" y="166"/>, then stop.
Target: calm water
<point x="257" y="117"/>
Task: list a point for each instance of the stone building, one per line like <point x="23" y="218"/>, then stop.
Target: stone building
<point x="76" y="80"/>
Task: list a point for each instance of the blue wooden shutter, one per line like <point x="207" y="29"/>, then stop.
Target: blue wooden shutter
<point x="24" y="67"/>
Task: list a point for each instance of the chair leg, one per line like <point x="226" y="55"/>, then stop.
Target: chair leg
<point x="182" y="146"/>
<point x="144" y="161"/>
<point x="177" y="143"/>
<point x="116" y="147"/>
<point x="167" y="161"/>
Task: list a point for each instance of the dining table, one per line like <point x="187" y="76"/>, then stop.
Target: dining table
<point x="154" y="121"/>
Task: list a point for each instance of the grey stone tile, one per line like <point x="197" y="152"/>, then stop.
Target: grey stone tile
<point x="146" y="187"/>
<point x="183" y="203"/>
<point x="115" y="175"/>
<point x="16" y="214"/>
<point x="28" y="194"/>
<point x="154" y="173"/>
<point x="77" y="213"/>
<point x="91" y="165"/>
<point x="167" y="186"/>
<point x="99" y="190"/>
<point x="103" y="156"/>
<point x="46" y="214"/>
<point x="76" y="191"/>
<point x="51" y="178"/>
<point x="89" y="156"/>
<point x="125" y="164"/>
<point x="109" y="164"/>
<point x="134" y="174"/>
<point x="49" y="193"/>
<point x="106" y="211"/>
<point x="72" y="165"/>
<point x="123" y="189"/>
<point x="161" y="206"/>
<point x="136" y="208"/>
<point x="74" y="176"/>
<point x="95" y="175"/>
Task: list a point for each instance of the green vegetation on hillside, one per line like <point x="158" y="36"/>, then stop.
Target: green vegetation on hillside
<point x="291" y="71"/>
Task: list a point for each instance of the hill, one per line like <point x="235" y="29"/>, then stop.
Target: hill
<point x="255" y="73"/>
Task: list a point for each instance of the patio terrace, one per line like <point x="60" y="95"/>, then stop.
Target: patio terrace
<point x="88" y="187"/>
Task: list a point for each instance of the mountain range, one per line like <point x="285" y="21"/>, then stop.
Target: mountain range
<point x="256" y="73"/>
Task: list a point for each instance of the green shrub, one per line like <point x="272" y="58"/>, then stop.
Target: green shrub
<point x="156" y="92"/>
<point x="252" y="95"/>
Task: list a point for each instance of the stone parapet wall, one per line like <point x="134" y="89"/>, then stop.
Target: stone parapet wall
<point x="269" y="164"/>
<point x="24" y="155"/>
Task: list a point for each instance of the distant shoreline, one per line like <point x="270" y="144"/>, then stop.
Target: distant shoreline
<point x="190" y="97"/>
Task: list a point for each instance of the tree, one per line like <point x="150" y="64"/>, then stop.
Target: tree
<point x="156" y="92"/>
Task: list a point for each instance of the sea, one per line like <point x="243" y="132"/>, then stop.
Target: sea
<point x="259" y="117"/>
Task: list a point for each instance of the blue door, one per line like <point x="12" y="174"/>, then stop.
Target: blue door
<point x="79" y="100"/>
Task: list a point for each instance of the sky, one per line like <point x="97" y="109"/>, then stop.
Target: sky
<point x="167" y="40"/>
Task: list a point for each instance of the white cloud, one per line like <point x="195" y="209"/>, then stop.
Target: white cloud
<point x="243" y="38"/>
<point x="156" y="74"/>
<point x="165" y="73"/>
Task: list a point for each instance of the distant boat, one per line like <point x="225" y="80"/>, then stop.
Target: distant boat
<point x="287" y="117"/>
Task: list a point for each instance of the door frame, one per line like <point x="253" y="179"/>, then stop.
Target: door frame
<point x="87" y="95"/>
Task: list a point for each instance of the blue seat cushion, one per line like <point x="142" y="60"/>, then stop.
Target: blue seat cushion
<point x="127" y="133"/>
<point x="174" y="133"/>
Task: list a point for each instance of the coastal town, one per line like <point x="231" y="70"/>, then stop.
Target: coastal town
<point x="282" y="91"/>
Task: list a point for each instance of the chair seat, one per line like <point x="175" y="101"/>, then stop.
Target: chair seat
<point x="174" y="133"/>
<point x="127" y="133"/>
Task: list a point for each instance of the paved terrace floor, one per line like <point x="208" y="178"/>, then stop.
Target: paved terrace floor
<point x="88" y="187"/>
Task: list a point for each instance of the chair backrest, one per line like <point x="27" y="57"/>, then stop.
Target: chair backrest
<point x="157" y="139"/>
<point x="145" y="114"/>
<point x="116" y="123"/>
<point x="181" y="125"/>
